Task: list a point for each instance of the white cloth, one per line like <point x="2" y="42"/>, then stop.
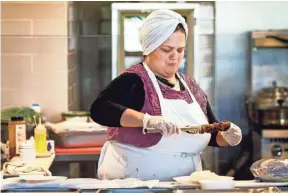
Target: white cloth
<point x="158" y="27"/>
<point x="176" y="155"/>
<point x="20" y="168"/>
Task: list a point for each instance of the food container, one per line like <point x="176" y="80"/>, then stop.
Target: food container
<point x="27" y="152"/>
<point x="270" y="170"/>
<point x="81" y="115"/>
<point x="217" y="184"/>
<point x="78" y="139"/>
<point x="76" y="134"/>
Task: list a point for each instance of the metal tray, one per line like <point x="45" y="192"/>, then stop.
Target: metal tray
<point x="40" y="190"/>
<point x="185" y="190"/>
<point x="79" y="139"/>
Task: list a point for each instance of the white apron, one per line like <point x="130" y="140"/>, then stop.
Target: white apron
<point x="176" y="155"/>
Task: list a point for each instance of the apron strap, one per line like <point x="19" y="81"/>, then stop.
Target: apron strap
<point x="155" y="83"/>
<point x="157" y="87"/>
<point x="186" y="86"/>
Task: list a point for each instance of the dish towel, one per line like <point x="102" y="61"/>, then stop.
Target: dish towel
<point x="22" y="168"/>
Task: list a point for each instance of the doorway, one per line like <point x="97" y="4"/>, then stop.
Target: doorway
<point x="126" y="21"/>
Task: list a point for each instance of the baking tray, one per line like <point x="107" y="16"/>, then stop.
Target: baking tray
<point x="78" y="139"/>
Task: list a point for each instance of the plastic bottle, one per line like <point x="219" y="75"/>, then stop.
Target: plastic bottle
<point x="36" y="108"/>
<point x="40" y="135"/>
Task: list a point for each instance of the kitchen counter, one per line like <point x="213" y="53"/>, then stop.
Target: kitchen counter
<point x="174" y="187"/>
<point x="160" y="187"/>
<point x="271" y="190"/>
<point x="154" y="190"/>
<point x="44" y="162"/>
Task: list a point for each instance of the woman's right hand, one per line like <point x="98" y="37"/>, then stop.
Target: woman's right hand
<point x="160" y="123"/>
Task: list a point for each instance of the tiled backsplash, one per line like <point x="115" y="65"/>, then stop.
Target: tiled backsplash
<point x="34" y="56"/>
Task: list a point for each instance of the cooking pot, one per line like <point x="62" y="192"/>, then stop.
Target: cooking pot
<point x="276" y="116"/>
<point x="269" y="107"/>
<point x="272" y="97"/>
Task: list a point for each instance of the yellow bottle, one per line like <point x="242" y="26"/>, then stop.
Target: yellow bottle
<point x="40" y="139"/>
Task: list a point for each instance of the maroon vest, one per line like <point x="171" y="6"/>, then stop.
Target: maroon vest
<point x="134" y="136"/>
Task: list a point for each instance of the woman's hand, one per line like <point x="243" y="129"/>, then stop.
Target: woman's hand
<point x="160" y="123"/>
<point x="233" y="135"/>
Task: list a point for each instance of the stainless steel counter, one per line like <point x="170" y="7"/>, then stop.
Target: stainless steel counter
<point x="153" y="190"/>
<point x="262" y="190"/>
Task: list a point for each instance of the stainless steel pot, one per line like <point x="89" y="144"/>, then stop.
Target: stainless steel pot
<point x="269" y="107"/>
<point x="274" y="116"/>
<point x="272" y="96"/>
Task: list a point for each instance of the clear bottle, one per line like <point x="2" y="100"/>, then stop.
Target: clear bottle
<point x="40" y="135"/>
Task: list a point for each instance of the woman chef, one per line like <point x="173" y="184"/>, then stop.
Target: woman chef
<point x="153" y="94"/>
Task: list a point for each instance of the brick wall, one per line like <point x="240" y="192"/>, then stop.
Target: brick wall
<point x="34" y="56"/>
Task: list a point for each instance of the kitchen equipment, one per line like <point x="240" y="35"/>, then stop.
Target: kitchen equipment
<point x="205" y="128"/>
<point x="269" y="108"/>
<point x="268" y="117"/>
<point x="74" y="133"/>
<point x="272" y="96"/>
<point x="274" y="115"/>
<point x="80" y="139"/>
<point x="274" y="144"/>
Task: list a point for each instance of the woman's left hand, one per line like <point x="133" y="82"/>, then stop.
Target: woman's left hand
<point x="233" y="135"/>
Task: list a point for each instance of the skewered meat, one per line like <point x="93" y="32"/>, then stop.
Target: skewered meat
<point x="210" y="128"/>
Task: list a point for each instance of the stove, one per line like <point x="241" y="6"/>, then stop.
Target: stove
<point x="274" y="144"/>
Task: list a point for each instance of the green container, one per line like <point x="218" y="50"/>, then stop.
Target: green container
<point x="82" y="115"/>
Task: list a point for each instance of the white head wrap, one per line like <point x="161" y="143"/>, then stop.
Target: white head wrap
<point x="158" y="27"/>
